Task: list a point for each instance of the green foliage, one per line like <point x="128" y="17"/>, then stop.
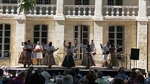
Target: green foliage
<point x="26" y="5"/>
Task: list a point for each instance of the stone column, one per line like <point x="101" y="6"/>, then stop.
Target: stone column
<point x="98" y="39"/>
<point x="98" y="10"/>
<point x="59" y="40"/>
<point x="142" y="44"/>
<point x="19" y="37"/>
<point x="59" y="10"/>
<point x="142" y="38"/>
<point x="142" y="11"/>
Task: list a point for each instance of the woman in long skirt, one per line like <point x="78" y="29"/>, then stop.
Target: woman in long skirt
<point x="25" y="57"/>
<point x="112" y="61"/>
<point x="88" y="60"/>
<point x="49" y="56"/>
<point x="68" y="61"/>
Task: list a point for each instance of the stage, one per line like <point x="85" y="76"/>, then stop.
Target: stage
<point x="56" y="69"/>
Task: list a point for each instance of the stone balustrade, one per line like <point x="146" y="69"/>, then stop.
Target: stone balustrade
<point x="43" y="10"/>
<point x="79" y="10"/>
<point x="120" y="10"/>
<point x="75" y="10"/>
<point x="8" y="8"/>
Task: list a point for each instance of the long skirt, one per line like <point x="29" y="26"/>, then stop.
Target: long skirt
<point x="112" y="60"/>
<point x="68" y="61"/>
<point x="49" y="59"/>
<point x="88" y="60"/>
<point x="25" y="58"/>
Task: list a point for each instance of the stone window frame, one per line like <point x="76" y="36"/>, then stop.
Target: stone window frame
<point x="78" y="31"/>
<point x="115" y="32"/>
<point x="5" y="40"/>
<point x="43" y="1"/>
<point x="40" y="31"/>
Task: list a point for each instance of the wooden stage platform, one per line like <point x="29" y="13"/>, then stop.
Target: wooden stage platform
<point x="83" y="71"/>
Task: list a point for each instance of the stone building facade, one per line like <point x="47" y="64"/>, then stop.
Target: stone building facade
<point x="123" y="22"/>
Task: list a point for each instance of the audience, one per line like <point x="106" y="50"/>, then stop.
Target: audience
<point x="71" y="76"/>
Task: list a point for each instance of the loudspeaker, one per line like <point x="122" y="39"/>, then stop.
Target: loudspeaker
<point x="134" y="54"/>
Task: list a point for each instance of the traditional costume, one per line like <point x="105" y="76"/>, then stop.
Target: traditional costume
<point x="38" y="52"/>
<point x="69" y="61"/>
<point x="88" y="60"/>
<point x="49" y="56"/>
<point x="112" y="59"/>
<point x="25" y="57"/>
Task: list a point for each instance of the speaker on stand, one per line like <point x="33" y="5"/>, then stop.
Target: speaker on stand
<point x="134" y="55"/>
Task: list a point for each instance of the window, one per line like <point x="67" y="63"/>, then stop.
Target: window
<point x="4" y="40"/>
<point x="43" y="1"/>
<point x="115" y="2"/>
<point x="40" y="33"/>
<point x="81" y="35"/>
<point x="9" y="1"/>
<point x="116" y="35"/>
<point x="81" y="2"/>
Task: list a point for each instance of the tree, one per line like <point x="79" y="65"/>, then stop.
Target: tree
<point x="26" y="5"/>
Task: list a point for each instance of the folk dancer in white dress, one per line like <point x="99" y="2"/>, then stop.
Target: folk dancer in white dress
<point x="49" y="56"/>
<point x="105" y="51"/>
<point x="38" y="52"/>
<point x="69" y="61"/>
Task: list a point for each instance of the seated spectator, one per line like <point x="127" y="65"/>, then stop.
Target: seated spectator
<point x="6" y="73"/>
<point x="37" y="78"/>
<point x="121" y="75"/>
<point x="28" y="76"/>
<point x="91" y="78"/>
<point x="118" y="81"/>
<point x="100" y="79"/>
<point x="73" y="74"/>
<point x="78" y="75"/>
<point x="132" y="79"/>
<point x="47" y="77"/>
<point x="3" y="79"/>
<point x="67" y="79"/>
<point x="140" y="79"/>
<point x="13" y="74"/>
<point x="18" y="80"/>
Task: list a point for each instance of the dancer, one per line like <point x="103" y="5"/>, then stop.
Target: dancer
<point x="105" y="50"/>
<point x="38" y="52"/>
<point x="49" y="56"/>
<point x="113" y="60"/>
<point x="88" y="60"/>
<point x="29" y="48"/>
<point x="25" y="56"/>
<point x="68" y="61"/>
<point x="93" y="50"/>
